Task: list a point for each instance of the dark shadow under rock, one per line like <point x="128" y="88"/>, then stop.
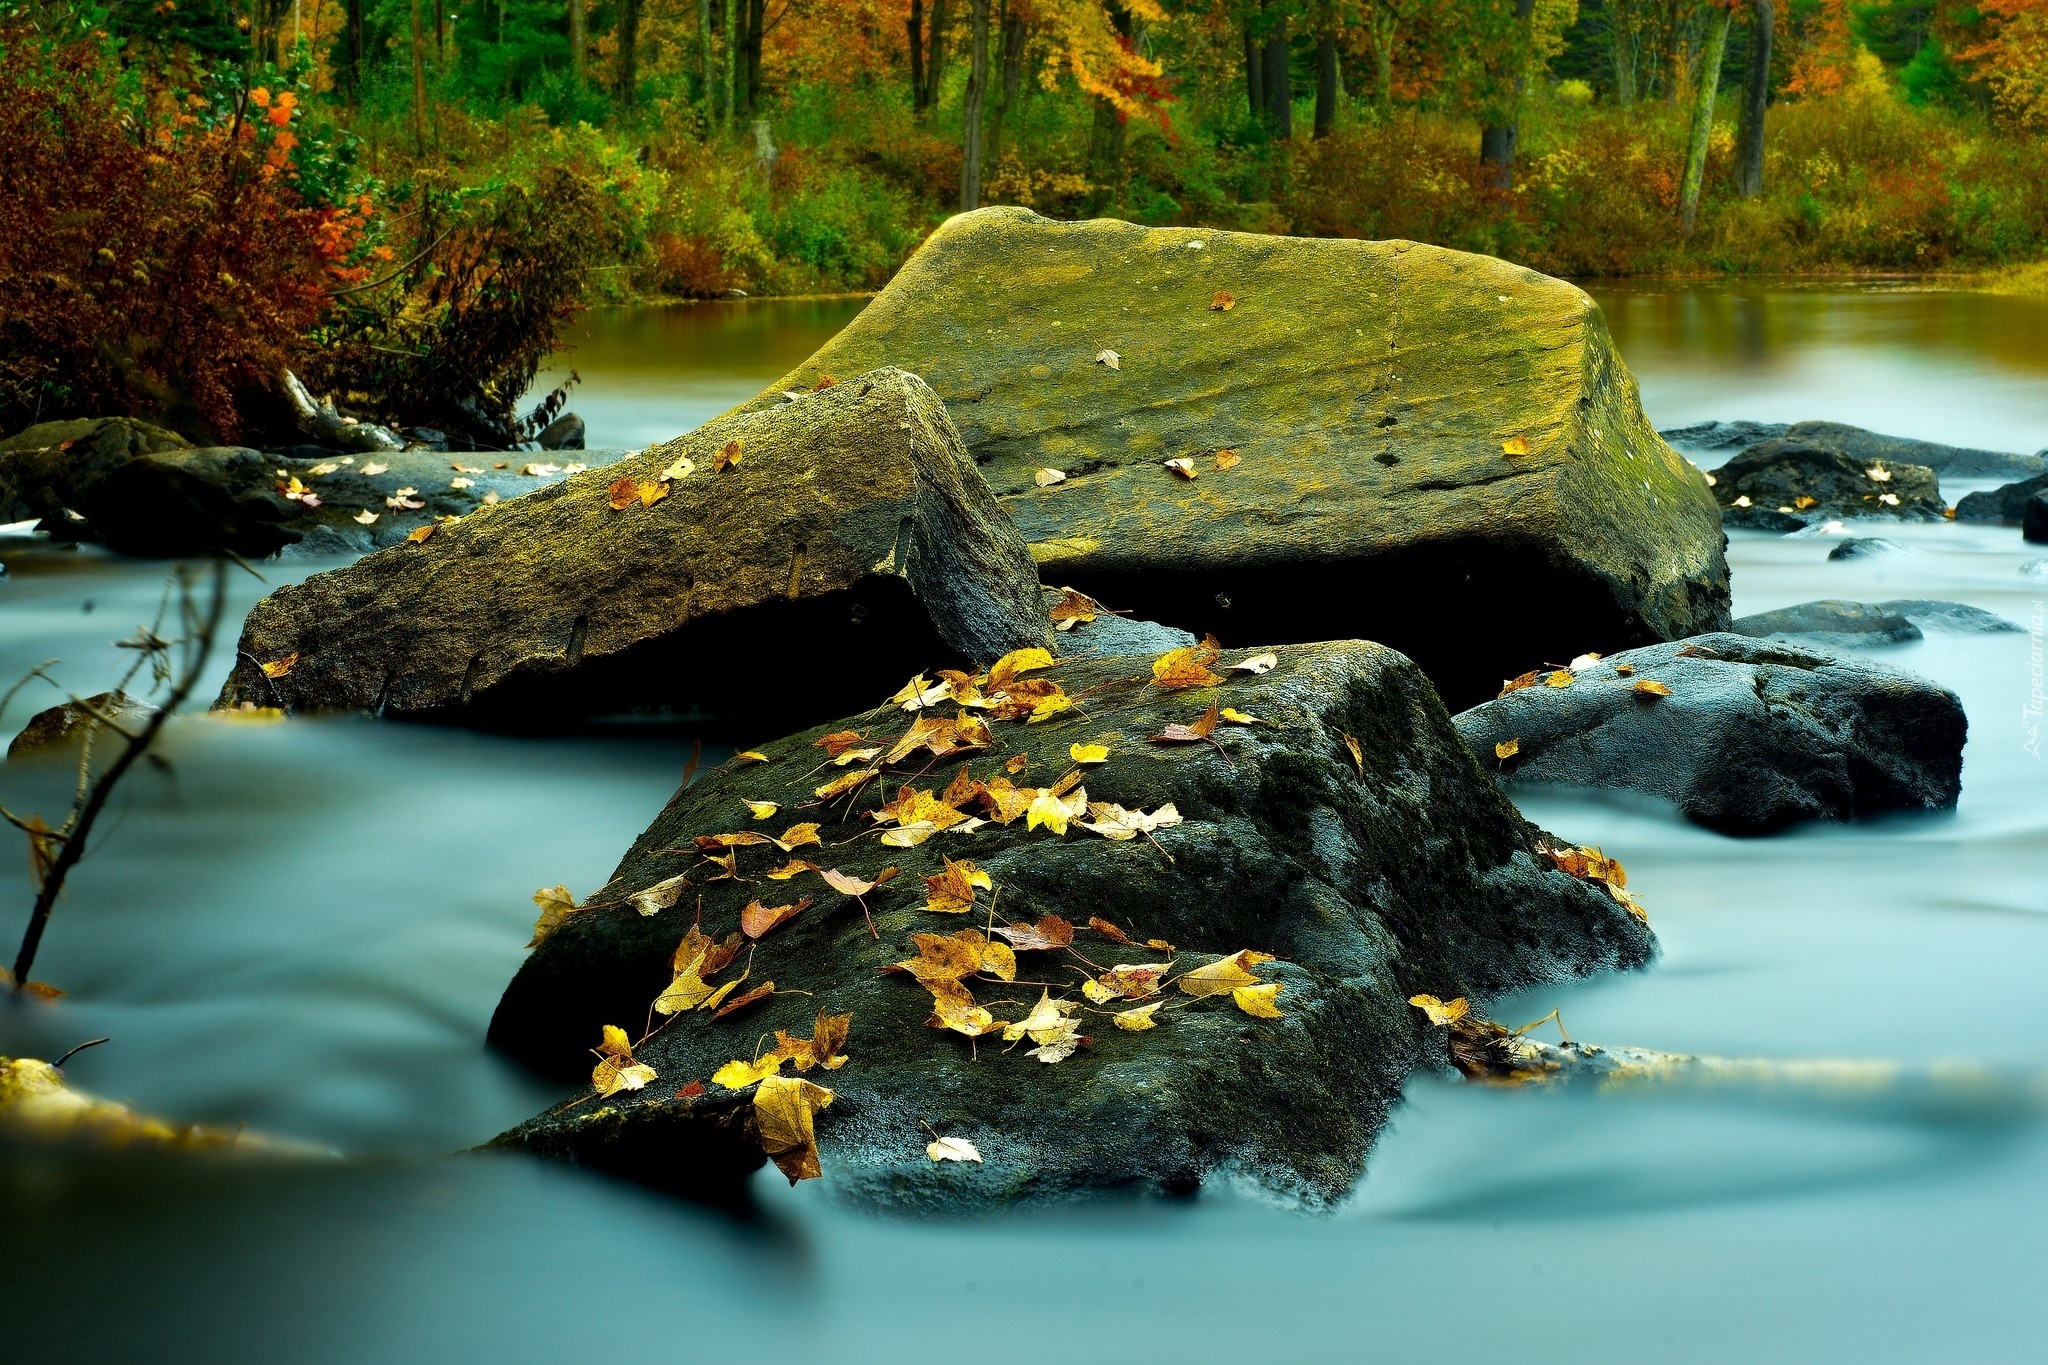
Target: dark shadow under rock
<point x="1754" y="736"/>
<point x="1401" y="870"/>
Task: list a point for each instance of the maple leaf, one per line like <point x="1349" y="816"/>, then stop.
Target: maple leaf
<point x="838" y="742"/>
<point x="1088" y="753"/>
<point x="1648" y="688"/>
<point x="746" y="838"/>
<point x="322" y="470"/>
<point x="850" y="885"/>
<point x="659" y="896"/>
<point x="799" y="836"/>
<point x="1053" y="811"/>
<point x="728" y="456"/>
<point x="1139" y="1019"/>
<point x="1109" y="358"/>
<point x="1200" y="730"/>
<point x="839" y="786"/>
<point x="950" y="891"/>
<point x="1128" y="980"/>
<point x="1507" y="749"/>
<point x="1515" y="445"/>
<point x="738" y="1075"/>
<point x="920" y="692"/>
<point x="1228" y="459"/>
<point x="1049" y="932"/>
<point x="951" y="1149"/>
<point x="692" y="1090"/>
<point x="953" y="1008"/>
<point x="1442" y="1013"/>
<point x="823" y="1048"/>
<point x="1074" y="608"/>
<point x="1559" y="677"/>
<point x="1183" y="467"/>
<point x="682" y="468"/>
<point x="758" y="919"/>
<point x="1051" y="1025"/>
<point x="1879" y="473"/>
<point x="1017" y="661"/>
<point x="278" y="668"/>
<point x="1017" y="764"/>
<point x="689" y="991"/>
<point x="1182" y="668"/>
<point x="1048" y="706"/>
<point x="556" y="905"/>
<point x="616" y="1068"/>
<point x="1046" y="478"/>
<point x="740" y="1002"/>
<point x="1225" y="974"/>
<point x="783" y="1110"/>
<point x="1258" y="1000"/>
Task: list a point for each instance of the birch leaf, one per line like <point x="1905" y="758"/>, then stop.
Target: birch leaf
<point x="783" y="1110"/>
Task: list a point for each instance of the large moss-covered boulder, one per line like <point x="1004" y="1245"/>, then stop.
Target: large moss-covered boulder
<point x="1347" y="832"/>
<point x="850" y="540"/>
<point x="1427" y="439"/>
<point x="44" y="467"/>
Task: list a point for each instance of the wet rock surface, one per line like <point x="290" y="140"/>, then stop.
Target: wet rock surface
<point x="1423" y="436"/>
<point x="852" y="526"/>
<point x="1831" y="624"/>
<point x="2007" y="504"/>
<point x="1400" y="871"/>
<point x="1866" y="547"/>
<point x="1790" y="482"/>
<point x="1754" y="736"/>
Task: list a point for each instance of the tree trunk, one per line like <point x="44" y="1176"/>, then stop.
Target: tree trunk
<point x="1326" y="84"/>
<point x="1621" y="35"/>
<point x="351" y="72"/>
<point x="731" y="62"/>
<point x="1279" y="91"/>
<point x="1497" y="140"/>
<point x="628" y="78"/>
<point x="1756" y="98"/>
<point x="704" y="59"/>
<point x="1703" y="118"/>
<point x="1013" y="75"/>
<point x="977" y="96"/>
<point x="419" y="84"/>
<point x="1254" y="74"/>
<point x="935" y="55"/>
<point x="1380" y="30"/>
<point x="914" y="28"/>
<point x="579" y="40"/>
<point x="750" y="49"/>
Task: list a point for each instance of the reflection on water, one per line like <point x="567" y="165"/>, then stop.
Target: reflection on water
<point x="305" y="927"/>
<point x="652" y="373"/>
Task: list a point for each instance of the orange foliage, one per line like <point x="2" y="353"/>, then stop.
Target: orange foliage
<point x="1826" y="54"/>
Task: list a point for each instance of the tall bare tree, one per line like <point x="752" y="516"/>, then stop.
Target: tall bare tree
<point x="977" y="96"/>
<point x="579" y="40"/>
<point x="1756" y="98"/>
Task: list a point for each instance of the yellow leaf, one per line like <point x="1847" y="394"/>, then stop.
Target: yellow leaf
<point x="950" y="891"/>
<point x="1237" y="717"/>
<point x="1189" y="667"/>
<point x="728" y="456"/>
<point x="1015" y="662"/>
<point x="1049" y="706"/>
<point x="751" y="756"/>
<point x="1507" y="749"/>
<point x="1258" y="1000"/>
<point x="278" y="668"/>
<point x="687" y="992"/>
<point x="1046" y="478"/>
<point x="1088" y="753"/>
<point x="1228" y="459"/>
<point x="1047" y="810"/>
<point x="1109" y="358"/>
<point x="1442" y="1013"/>
<point x="762" y="810"/>
<point x="1183" y="467"/>
<point x="651" y="493"/>
<point x="556" y="905"/>
<point x="1223" y="302"/>
<point x="613" y="1074"/>
<point x="659" y="896"/>
<point x="1624" y="669"/>
<point x="1559" y="677"/>
<point x="911" y="835"/>
<point x="1357" y="754"/>
<point x="1651" y="689"/>
<point x="1049" y="1019"/>
<point x="953" y="1008"/>
<point x="999" y="960"/>
<point x="1516" y="445"/>
<point x="758" y="919"/>
<point x="839" y="786"/>
<point x="799" y="836"/>
<point x="783" y="1109"/>
<point x="1222" y="977"/>
<point x="951" y="1149"/>
<point x="737" y="1075"/>
<point x="1139" y="1019"/>
<point x="419" y="537"/>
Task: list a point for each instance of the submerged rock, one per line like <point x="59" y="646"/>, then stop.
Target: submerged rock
<point x="43" y="467"/>
<point x="1753" y="737"/>
<point x="1777" y="483"/>
<point x="59" y="726"/>
<point x="1958" y="617"/>
<point x="1424" y="438"/>
<point x="1704" y="436"/>
<point x="1865" y="547"/>
<point x="849" y="537"/>
<point x="37" y="1108"/>
<point x="1831" y="624"/>
<point x="1372" y="875"/>
<point x="564" y="433"/>
<point x="2007" y="504"/>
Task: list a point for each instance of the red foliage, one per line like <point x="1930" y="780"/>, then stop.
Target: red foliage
<point x="151" y="261"/>
<point x="688" y="267"/>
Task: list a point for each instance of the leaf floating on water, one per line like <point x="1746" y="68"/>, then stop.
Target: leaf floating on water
<point x="1507" y="749"/>
<point x="1442" y="1013"/>
<point x="278" y="668"/>
<point x="365" y="518"/>
<point x="783" y="1110"/>
<point x="728" y="456"/>
<point x="1258" y="1000"/>
<point x="556" y="905"/>
<point x="1223" y="302"/>
<point x="951" y="1149"/>
<point x="1183" y="467"/>
<point x="659" y="896"/>
<point x="1109" y="358"/>
<point x="373" y="469"/>
<point x="1515" y="445"/>
<point x="758" y="919"/>
<point x="1648" y="688"/>
<point x="1046" y="478"/>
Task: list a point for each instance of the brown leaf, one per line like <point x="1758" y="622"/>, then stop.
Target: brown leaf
<point x="694" y="1088"/>
<point x="421" y="536"/>
<point x="758" y="919"/>
<point x="278" y="668"/>
<point x="1528" y="679"/>
<point x="1357" y="754"/>
<point x="1200" y="730"/>
<point x="848" y="885"/>
<point x="838" y="742"/>
<point x="1074" y="608"/>
<point x="1651" y="689"/>
<point x="1049" y="932"/>
<point x="728" y="456"/>
<point x="1223" y="302"/>
<point x="1189" y="667"/>
<point x="825" y="381"/>
<point x="740" y="1002"/>
<point x="623" y="494"/>
<point x="1110" y="931"/>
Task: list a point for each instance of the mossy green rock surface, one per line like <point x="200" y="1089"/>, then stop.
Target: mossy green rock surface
<point x="1405" y="871"/>
<point x="1372" y="390"/>
<point x="853" y="534"/>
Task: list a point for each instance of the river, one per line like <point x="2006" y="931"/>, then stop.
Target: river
<point x="304" y="927"/>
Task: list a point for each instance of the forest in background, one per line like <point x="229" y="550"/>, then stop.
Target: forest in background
<point x="405" y="199"/>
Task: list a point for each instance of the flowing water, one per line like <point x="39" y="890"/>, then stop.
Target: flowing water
<point x="304" y="927"/>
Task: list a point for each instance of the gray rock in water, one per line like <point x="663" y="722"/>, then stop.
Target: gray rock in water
<point x="1790" y="480"/>
<point x="1959" y="462"/>
<point x="1831" y="624"/>
<point x="2035" y="568"/>
<point x="1404" y="871"/>
<point x="1110" y="634"/>
<point x="1705" y="436"/>
<point x="2007" y="504"/>
<point x="67" y="723"/>
<point x="1865" y="547"/>
<point x="1754" y="736"/>
<point x="564" y="433"/>
<point x="43" y="467"/>
<point x="1957" y="617"/>
<point x="2034" y="521"/>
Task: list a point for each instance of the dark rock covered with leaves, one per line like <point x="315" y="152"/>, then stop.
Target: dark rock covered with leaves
<point x="1790" y="482"/>
<point x="1116" y="921"/>
<point x="848" y="525"/>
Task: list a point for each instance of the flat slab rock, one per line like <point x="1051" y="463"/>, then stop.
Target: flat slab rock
<point x="1961" y="462"/>
<point x="1399" y="872"/>
<point x="853" y="529"/>
<point x="1755" y="735"/>
<point x="1424" y="437"/>
<point x="1832" y="623"/>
